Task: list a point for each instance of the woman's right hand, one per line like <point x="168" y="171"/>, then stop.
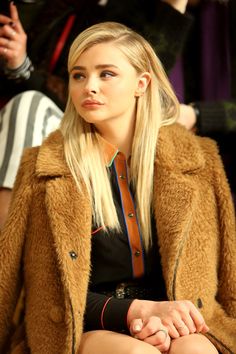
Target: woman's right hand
<point x="179" y="317"/>
<point x="187" y="116"/>
<point x="13" y="39"/>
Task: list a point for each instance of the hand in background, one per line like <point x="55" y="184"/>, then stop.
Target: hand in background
<point x="179" y="317"/>
<point x="179" y="5"/>
<point x="151" y="331"/>
<point x="187" y="116"/>
<point x="13" y="39"/>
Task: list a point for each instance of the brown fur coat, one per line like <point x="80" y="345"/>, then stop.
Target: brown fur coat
<point x="49" y="219"/>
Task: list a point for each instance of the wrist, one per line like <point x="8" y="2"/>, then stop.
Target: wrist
<point x="21" y="73"/>
<point x="16" y="63"/>
<point x="142" y="309"/>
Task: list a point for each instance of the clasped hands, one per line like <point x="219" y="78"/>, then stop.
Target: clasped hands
<point x="157" y="323"/>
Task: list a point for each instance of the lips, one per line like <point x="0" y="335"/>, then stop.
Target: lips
<point x="91" y="103"/>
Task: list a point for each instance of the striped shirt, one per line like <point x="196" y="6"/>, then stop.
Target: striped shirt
<point x="24" y="122"/>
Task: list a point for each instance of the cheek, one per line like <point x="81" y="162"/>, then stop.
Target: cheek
<point x="125" y="90"/>
<point x="75" y="96"/>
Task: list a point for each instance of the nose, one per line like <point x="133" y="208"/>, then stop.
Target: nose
<point x="91" y="85"/>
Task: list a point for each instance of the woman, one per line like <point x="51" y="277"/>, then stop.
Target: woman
<point x="121" y="227"/>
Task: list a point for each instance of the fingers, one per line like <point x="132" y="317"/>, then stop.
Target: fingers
<point x="181" y="318"/>
<point x="13" y="15"/>
<point x="136" y="326"/>
<point x="177" y="328"/>
<point x="160" y="340"/>
<point x="150" y="327"/>
<point x="15" y="19"/>
<point x="13" y="43"/>
<point x="200" y="324"/>
<point x="8" y="31"/>
<point x="154" y="333"/>
<point x="11" y="25"/>
<point x="14" y="12"/>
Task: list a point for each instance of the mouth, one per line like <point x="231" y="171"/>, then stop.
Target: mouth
<point x="91" y="103"/>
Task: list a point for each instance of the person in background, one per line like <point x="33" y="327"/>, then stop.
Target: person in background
<point x="130" y="214"/>
<point x="205" y="79"/>
<point x="208" y="63"/>
<point x="24" y="121"/>
<point x="47" y="44"/>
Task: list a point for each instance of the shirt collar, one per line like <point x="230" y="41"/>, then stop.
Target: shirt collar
<point x="110" y="151"/>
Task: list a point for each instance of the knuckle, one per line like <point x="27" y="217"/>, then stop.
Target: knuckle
<point x="157" y="320"/>
<point x="169" y="319"/>
<point x="150" y="329"/>
<point x="189" y="305"/>
<point x="178" y="305"/>
<point x="172" y="313"/>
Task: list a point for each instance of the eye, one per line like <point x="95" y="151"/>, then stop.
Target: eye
<point x="107" y="74"/>
<point x="78" y="76"/>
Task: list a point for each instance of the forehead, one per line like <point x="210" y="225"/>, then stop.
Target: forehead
<point x="103" y="53"/>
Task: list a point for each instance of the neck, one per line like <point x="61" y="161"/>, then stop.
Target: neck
<point x="118" y="133"/>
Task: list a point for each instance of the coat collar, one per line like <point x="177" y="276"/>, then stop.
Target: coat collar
<point x="51" y="159"/>
<point x="179" y="150"/>
<point x="171" y="152"/>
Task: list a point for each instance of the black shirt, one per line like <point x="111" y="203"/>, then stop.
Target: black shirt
<point x="119" y="257"/>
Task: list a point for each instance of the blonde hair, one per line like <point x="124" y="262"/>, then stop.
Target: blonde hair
<point x="157" y="107"/>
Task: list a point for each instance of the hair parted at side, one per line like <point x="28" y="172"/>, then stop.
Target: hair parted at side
<point x="158" y="106"/>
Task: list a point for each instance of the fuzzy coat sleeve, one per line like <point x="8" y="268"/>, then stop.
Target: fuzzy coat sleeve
<point x="11" y="244"/>
<point x="227" y="269"/>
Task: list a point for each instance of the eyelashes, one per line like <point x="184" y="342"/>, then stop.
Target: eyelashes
<point x="104" y="75"/>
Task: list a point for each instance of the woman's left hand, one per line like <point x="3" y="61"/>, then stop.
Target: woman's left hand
<point x="151" y="331"/>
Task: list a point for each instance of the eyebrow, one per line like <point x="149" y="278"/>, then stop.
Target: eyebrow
<point x="99" y="66"/>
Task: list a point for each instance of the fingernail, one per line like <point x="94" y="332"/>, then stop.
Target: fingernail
<point x="137" y="328"/>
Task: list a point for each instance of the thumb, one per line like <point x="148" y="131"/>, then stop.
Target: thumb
<point x="136" y="326"/>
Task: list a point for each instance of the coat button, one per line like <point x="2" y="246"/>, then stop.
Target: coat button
<point x="122" y="176"/>
<point x="130" y="215"/>
<point x="56" y="314"/>
<point x="73" y="255"/>
<point x="199" y="303"/>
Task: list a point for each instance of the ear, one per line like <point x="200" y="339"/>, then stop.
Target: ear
<point x="142" y="83"/>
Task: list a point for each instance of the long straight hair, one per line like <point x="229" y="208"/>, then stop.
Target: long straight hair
<point x="158" y="106"/>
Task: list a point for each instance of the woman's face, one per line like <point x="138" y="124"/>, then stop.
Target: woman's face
<point x="104" y="85"/>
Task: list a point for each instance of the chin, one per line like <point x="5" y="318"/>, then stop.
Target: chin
<point x="93" y="119"/>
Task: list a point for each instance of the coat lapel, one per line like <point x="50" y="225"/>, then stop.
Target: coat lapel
<point x="175" y="195"/>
